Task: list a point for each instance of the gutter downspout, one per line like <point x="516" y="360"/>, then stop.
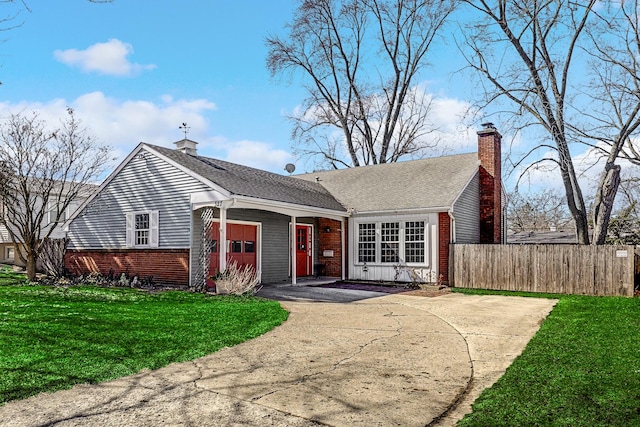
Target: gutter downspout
<point x="343" y="263"/>
<point x="452" y="237"/>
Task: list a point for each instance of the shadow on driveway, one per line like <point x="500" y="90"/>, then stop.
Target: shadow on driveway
<point x="381" y="360"/>
<point x="316" y="293"/>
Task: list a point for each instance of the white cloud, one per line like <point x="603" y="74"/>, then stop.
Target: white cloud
<point x="106" y="58"/>
<point x="447" y="116"/>
<point x="588" y="164"/>
<point x="445" y="129"/>
<point x="122" y="124"/>
<point x="258" y="155"/>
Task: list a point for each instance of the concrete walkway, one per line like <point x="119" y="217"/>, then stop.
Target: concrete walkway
<point x="392" y="360"/>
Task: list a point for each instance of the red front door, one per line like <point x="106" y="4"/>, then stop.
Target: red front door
<point x="241" y="246"/>
<point x="303" y="250"/>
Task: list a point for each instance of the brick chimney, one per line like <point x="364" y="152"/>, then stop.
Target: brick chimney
<point x="187" y="146"/>
<point x="489" y="154"/>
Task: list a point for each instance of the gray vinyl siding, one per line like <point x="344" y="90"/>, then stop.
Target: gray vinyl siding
<point x="274" y="243"/>
<point x="4" y="235"/>
<point x="466" y="211"/>
<point x="144" y="184"/>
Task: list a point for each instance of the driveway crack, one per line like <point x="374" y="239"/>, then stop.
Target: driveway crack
<point x="340" y="362"/>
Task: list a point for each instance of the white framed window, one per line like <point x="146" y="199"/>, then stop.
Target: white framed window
<point x="414" y="241"/>
<point x="392" y="242"/>
<point x="52" y="212"/>
<point x="142" y="229"/>
<point x="367" y="242"/>
<point x="9" y="254"/>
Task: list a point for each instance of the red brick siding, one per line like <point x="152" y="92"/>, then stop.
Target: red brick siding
<point x="444" y="238"/>
<point x="487" y="207"/>
<point x="489" y="154"/>
<point x="330" y="240"/>
<point x="166" y="266"/>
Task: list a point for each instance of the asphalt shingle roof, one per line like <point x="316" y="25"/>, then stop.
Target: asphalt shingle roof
<point x="426" y="183"/>
<point x="246" y="181"/>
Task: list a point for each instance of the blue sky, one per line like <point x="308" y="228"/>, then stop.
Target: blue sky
<point x="135" y="70"/>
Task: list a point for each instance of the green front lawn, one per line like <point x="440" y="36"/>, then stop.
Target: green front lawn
<point x="582" y="368"/>
<point x="53" y="338"/>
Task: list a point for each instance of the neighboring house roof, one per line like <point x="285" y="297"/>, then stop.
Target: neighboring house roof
<point x="250" y="182"/>
<point x="543" y="237"/>
<point x="418" y="184"/>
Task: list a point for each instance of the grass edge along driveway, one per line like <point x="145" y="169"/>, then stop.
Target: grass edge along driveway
<point x="582" y="368"/>
<point x="53" y="338"/>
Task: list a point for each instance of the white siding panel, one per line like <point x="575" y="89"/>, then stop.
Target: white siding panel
<point x="275" y="242"/>
<point x="144" y="184"/>
<point x="466" y="211"/>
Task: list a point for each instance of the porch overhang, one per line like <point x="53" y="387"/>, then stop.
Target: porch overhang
<point x="207" y="200"/>
<point x="218" y="200"/>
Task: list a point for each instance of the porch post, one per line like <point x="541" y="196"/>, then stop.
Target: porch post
<point x="293" y="244"/>
<point x="222" y="245"/>
<point x="343" y="252"/>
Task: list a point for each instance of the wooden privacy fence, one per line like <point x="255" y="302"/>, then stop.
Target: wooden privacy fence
<point x="562" y="269"/>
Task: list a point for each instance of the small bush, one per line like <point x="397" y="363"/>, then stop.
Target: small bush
<point x="111" y="280"/>
<point x="237" y="280"/>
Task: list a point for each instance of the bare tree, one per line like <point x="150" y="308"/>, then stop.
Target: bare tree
<point x="538" y="211"/>
<point x="360" y="59"/>
<point x="42" y="173"/>
<point x="537" y="41"/>
<point x="611" y="121"/>
<point x="52" y="256"/>
<point x="624" y="226"/>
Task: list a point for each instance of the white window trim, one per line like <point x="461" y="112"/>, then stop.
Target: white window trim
<point x="154" y="226"/>
<point x="402" y="242"/>
<point x="424" y="241"/>
<point x="376" y="242"/>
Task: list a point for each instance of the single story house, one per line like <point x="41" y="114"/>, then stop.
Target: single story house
<point x="181" y="217"/>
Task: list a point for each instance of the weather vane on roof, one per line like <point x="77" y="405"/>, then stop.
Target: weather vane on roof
<point x="185" y="129"/>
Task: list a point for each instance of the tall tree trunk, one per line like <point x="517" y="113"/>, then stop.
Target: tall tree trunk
<point x="575" y="199"/>
<point x="603" y="204"/>
<point x="31" y="265"/>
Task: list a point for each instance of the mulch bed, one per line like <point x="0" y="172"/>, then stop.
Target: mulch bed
<point x="426" y="291"/>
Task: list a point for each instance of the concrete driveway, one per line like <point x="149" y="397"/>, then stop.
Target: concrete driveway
<point x="381" y="361"/>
